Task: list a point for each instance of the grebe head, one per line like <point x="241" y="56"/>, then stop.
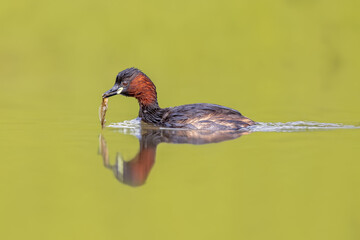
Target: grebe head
<point x="132" y="82"/>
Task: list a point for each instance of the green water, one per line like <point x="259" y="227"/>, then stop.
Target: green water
<point x="278" y="61"/>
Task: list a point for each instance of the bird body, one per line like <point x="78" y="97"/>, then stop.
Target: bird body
<point x="133" y="83"/>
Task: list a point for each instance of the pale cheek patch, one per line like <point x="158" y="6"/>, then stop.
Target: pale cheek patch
<point x="119" y="90"/>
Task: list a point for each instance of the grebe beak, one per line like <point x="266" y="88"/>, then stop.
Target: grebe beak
<point x="115" y="90"/>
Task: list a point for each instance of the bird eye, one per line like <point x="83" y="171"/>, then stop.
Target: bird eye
<point x="125" y="83"/>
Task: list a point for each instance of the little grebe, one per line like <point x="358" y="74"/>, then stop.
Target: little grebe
<point x="133" y="83"/>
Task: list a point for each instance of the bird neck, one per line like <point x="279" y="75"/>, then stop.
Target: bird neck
<point x="151" y="113"/>
<point x="144" y="90"/>
<point x="146" y="95"/>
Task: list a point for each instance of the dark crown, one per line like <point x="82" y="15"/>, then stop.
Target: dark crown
<point x="127" y="73"/>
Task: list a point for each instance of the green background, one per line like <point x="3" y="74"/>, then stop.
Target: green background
<point x="274" y="61"/>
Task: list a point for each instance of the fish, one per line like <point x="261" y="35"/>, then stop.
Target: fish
<point x="102" y="111"/>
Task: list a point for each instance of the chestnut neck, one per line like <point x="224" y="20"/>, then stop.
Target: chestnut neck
<point x="147" y="101"/>
<point x="146" y="95"/>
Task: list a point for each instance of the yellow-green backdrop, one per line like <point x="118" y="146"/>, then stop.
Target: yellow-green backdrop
<point x="275" y="61"/>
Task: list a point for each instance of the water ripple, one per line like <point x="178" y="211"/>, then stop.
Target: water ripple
<point x="134" y="126"/>
<point x="298" y="126"/>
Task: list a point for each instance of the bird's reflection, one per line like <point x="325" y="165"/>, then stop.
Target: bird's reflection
<point x="136" y="171"/>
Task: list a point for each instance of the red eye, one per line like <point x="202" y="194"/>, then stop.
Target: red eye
<point x="125" y="83"/>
